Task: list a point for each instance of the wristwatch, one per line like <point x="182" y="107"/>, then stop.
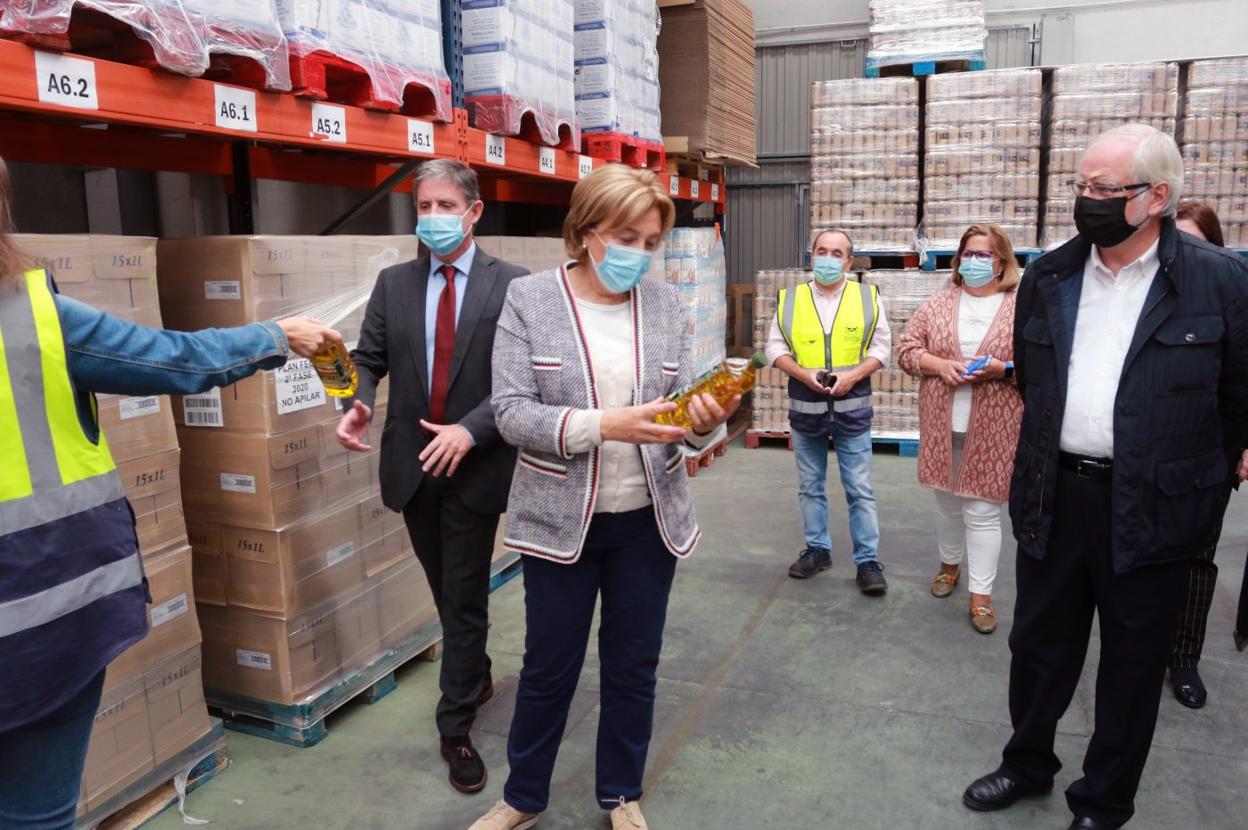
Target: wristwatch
<point x="1009" y="370"/>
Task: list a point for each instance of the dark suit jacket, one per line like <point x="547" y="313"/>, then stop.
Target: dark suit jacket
<point x="392" y="341"/>
<point x="1181" y="413"/>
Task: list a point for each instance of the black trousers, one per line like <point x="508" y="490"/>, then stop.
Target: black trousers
<point x="1202" y="578"/>
<point x="455" y="545"/>
<point x="1057" y="597"/>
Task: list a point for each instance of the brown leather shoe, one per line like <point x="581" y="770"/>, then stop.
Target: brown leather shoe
<point x="943" y="582"/>
<point x="984" y="619"/>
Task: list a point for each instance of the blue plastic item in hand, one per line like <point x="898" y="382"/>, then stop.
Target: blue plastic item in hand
<point x="977" y="364"/>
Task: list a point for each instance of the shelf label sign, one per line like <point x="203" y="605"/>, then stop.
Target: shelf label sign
<point x="236" y="108"/>
<point x="714" y="192"/>
<point x="297" y="387"/>
<point x="546" y="161"/>
<point x="585" y="166"/>
<point x="66" y="81"/>
<point x="496" y="149"/>
<point x="420" y="137"/>
<point x="673" y="186"/>
<point x="329" y="122"/>
<point x="695" y="188"/>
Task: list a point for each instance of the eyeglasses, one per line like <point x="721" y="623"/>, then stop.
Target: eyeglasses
<point x="986" y="256"/>
<point x="1103" y="191"/>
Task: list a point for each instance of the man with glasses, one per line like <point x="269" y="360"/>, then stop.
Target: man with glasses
<point x="1131" y="352"/>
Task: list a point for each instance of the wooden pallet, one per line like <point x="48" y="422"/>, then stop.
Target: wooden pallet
<point x="941" y="258"/>
<point x="755" y="438"/>
<point x="303" y="724"/>
<point x="885" y="260"/>
<point x="705" y="458"/>
<point x="484" y="114"/>
<point x="324" y="76"/>
<point x="902" y="67"/>
<point x="906" y="447"/>
<point x="626" y="149"/>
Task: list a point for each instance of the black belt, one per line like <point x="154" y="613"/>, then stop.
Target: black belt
<point x="1097" y="469"/>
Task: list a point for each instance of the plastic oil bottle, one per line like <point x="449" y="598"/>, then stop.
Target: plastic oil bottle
<point x="735" y="376"/>
<point x="336" y="370"/>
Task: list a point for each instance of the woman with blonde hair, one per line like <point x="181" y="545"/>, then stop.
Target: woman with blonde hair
<point x="960" y="342"/>
<point x="600" y="504"/>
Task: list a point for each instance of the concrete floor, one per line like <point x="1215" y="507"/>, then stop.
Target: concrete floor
<point x="781" y="703"/>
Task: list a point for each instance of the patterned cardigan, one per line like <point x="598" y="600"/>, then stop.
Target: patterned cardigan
<point x="996" y="407"/>
<point x="542" y="373"/>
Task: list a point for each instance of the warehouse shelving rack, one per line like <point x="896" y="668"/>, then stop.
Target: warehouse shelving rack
<point x="65" y="109"/>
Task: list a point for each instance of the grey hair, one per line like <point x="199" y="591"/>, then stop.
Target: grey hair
<point x="1156" y="159"/>
<point x="815" y="240"/>
<point x="459" y="174"/>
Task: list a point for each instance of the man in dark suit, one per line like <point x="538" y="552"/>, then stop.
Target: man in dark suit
<point x="430" y="325"/>
<point x="1131" y="350"/>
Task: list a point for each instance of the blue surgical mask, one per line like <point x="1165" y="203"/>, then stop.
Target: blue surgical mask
<point x="622" y="267"/>
<point x="441" y="232"/>
<point x="828" y="270"/>
<point x="976" y="272"/>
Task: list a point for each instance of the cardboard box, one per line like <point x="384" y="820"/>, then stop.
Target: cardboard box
<point x="153" y="488"/>
<point x="406" y="604"/>
<point x="120" y="749"/>
<point x="210" y="565"/>
<point x="176" y="710"/>
<point x="137" y="427"/>
<point x="171" y="617"/>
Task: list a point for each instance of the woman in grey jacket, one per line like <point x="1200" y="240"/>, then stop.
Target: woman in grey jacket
<point x="583" y="358"/>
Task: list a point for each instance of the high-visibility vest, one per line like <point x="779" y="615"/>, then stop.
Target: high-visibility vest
<point x="839" y="350"/>
<point x="72" y="589"/>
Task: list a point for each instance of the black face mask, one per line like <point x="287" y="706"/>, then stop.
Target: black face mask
<point x="1103" y="221"/>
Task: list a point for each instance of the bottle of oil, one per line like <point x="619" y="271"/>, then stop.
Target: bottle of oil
<point x="336" y="370"/>
<point x="735" y="376"/>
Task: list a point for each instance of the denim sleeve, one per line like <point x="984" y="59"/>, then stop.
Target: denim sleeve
<point x="109" y="354"/>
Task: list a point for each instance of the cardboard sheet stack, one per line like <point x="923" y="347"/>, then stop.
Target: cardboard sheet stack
<point x="925" y="30"/>
<point x="1087" y="100"/>
<point x="771" y="393"/>
<point x="617" y="67"/>
<point x="694" y="265"/>
<point x="518" y="60"/>
<point x="153" y="703"/>
<point x="982" y="160"/>
<point x="895" y="394"/>
<point x="301" y="575"/>
<point x="1215" y="143"/>
<point x="864" y="148"/>
<point x="536" y="253"/>
<point x="706" y="72"/>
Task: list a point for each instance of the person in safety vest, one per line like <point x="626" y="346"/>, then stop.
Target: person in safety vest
<point x="829" y="336"/>
<point x="72" y="587"/>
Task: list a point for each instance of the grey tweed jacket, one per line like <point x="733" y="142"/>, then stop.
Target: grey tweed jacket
<point x="542" y="373"/>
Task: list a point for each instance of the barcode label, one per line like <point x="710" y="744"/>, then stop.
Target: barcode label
<point x="223" y="290"/>
<point x="335" y="555"/>
<point x="138" y="407"/>
<point x="253" y="659"/>
<point x="170" y="610"/>
<point x="203" y="410"/>
<point x="233" y="483"/>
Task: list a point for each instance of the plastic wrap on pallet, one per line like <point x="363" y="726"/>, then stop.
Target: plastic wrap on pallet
<point x="771" y="391"/>
<point x="695" y="266"/>
<point x="398" y="43"/>
<point x="982" y="161"/>
<point x="865" y="161"/>
<point x="1215" y="143"/>
<point x="518" y="61"/>
<point x="184" y="34"/>
<point x="617" y="67"/>
<point x="1089" y="99"/>
<point x="895" y="395"/>
<point x="925" y="30"/>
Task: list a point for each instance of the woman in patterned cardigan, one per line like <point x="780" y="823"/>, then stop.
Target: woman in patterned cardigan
<point x="968" y="420"/>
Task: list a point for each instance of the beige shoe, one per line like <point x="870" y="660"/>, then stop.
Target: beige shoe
<point x="502" y="816"/>
<point x="628" y="816"/>
<point x="943" y="582"/>
<point x="984" y="619"/>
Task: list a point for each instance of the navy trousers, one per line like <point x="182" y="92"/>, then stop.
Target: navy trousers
<point x="625" y="560"/>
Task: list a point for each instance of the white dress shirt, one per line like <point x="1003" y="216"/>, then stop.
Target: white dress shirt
<point x="827" y="303"/>
<point x="1109" y="309"/>
<point x="975" y="316"/>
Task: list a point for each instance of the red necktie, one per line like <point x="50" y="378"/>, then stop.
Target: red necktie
<point x="443" y="347"/>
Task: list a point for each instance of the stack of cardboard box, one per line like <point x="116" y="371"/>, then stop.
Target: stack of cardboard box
<point x="925" y="30"/>
<point x="302" y="576"/>
<point x="864" y="148"/>
<point x="536" y="253"/>
<point x="1215" y="143"/>
<point x="771" y="391"/>
<point x="153" y="702"/>
<point x="1087" y="100"/>
<point x="693" y="261"/>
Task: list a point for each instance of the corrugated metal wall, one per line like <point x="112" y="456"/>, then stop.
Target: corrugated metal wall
<point x="768" y="206"/>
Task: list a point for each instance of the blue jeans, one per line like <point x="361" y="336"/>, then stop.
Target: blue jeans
<point x="853" y="454"/>
<point x="624" y="559"/>
<point x="41" y="764"/>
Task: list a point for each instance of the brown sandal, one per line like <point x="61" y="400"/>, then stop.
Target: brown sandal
<point x="943" y="582"/>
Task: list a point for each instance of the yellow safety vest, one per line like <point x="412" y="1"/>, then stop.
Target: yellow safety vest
<point x="846" y="345"/>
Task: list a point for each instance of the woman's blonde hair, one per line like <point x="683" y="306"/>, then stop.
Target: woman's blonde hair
<point x="11" y="260"/>
<point x="613" y="196"/>
<point x="1001" y="246"/>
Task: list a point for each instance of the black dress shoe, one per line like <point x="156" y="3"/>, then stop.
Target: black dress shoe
<point x="997" y="790"/>
<point x="871" y="579"/>
<point x="1089" y="823"/>
<point x="1189" y="689"/>
<point x="468" y="773"/>
<point x="810" y="562"/>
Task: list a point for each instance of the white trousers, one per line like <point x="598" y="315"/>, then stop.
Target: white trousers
<point x="971" y="527"/>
